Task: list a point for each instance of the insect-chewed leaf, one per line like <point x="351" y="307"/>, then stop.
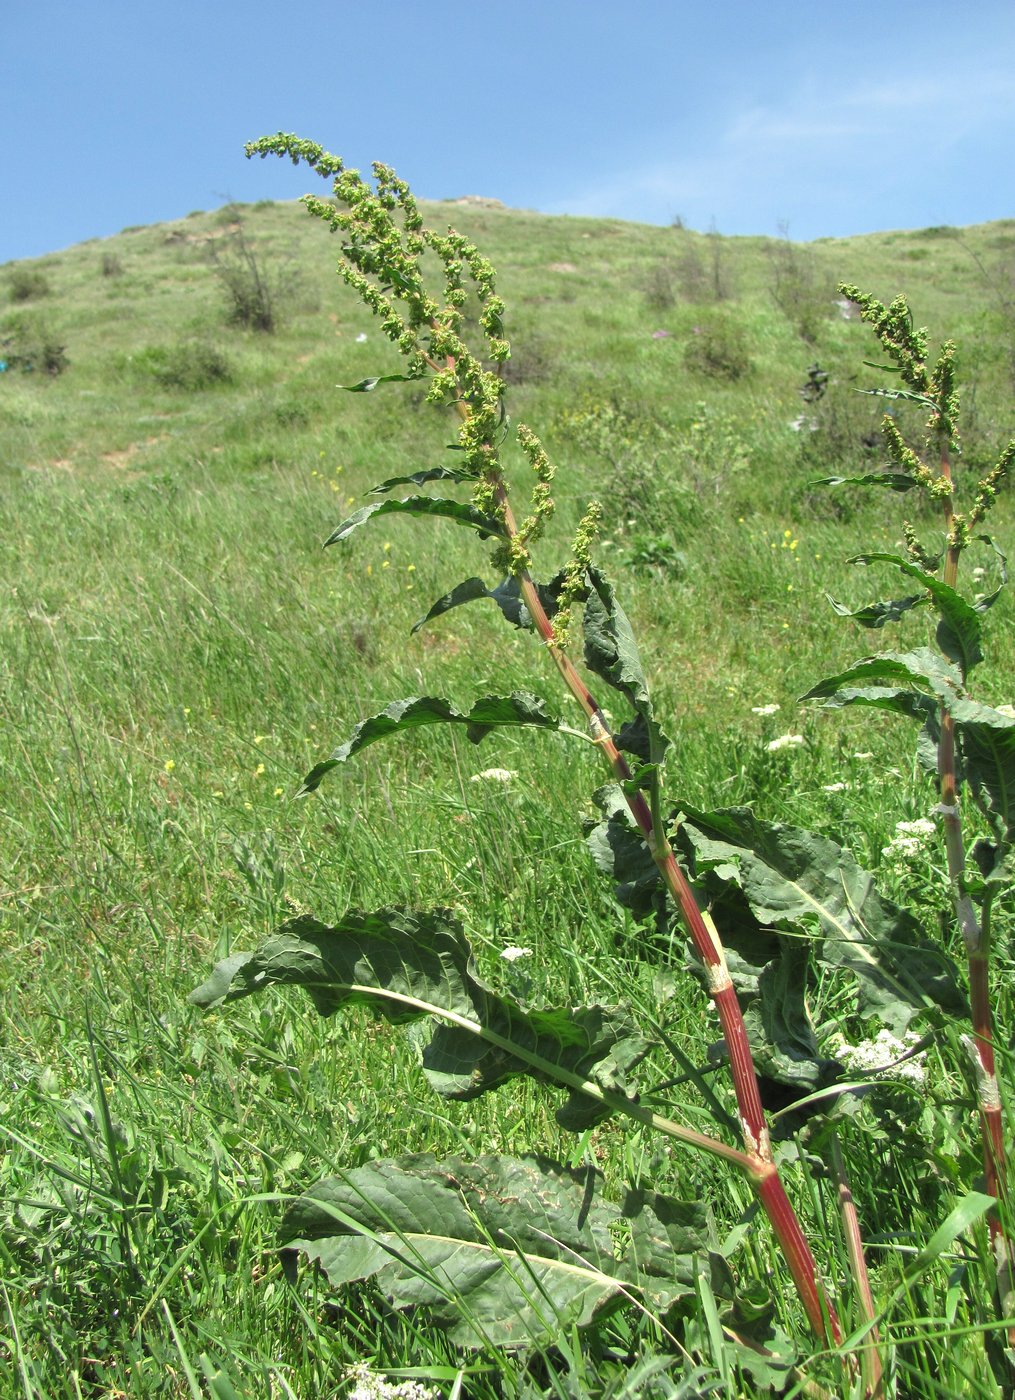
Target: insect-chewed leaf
<point x="897" y="481"/>
<point x="436" y="506"/>
<point x="421" y="479"/>
<point x="612" y="653"/>
<point x="490" y="712"/>
<point x="796" y="882"/>
<point x="501" y="1251"/>
<point x="410" y="965"/>
<point x="958" y="633"/>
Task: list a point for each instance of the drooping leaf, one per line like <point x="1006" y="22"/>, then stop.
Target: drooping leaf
<point x="506" y="595"/>
<point x="878" y="614"/>
<point x="612" y="653"/>
<point x="958" y="633"/>
<point x="366" y="386"/>
<point x="986" y="745"/>
<point x="490" y="712"/>
<point x="501" y="1251"/>
<point x="897" y="481"/>
<point x="620" y="852"/>
<point x="988" y="601"/>
<point x="413" y="965"/>
<point x="421" y="479"/>
<point x="436" y="506"/>
<point x="798" y="883"/>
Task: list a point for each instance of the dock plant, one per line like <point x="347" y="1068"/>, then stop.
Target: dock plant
<point x="515" y="1252"/>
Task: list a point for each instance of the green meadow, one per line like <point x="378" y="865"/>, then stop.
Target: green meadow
<point x="177" y="651"/>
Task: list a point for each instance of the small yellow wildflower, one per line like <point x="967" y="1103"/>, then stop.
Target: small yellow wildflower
<point x="387" y="546"/>
<point x="258" y="770"/>
<point x="169" y="765"/>
<point x="410" y="568"/>
<point x="279" y="792"/>
<point x="260" y="738"/>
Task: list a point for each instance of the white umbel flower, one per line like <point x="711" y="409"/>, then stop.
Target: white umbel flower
<point x="785" y="741"/>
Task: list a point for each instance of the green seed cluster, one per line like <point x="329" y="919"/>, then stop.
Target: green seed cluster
<point x="574" y="581"/>
<point x="384" y="240"/>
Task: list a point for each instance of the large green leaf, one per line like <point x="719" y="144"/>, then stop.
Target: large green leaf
<point x="490" y="712"/>
<point x="922" y="668"/>
<point x="959" y="631"/>
<point x="409" y="966"/>
<point x="612" y="653"/>
<point x="804" y="885"/>
<point x="502" y="1251"/>
<point x="435" y="506"/>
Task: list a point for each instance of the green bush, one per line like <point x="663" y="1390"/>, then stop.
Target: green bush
<point x="28" y="284"/>
<point x="30" y="344"/>
<point x="717" y="348"/>
<point x="188" y="365"/>
<point x="255" y="289"/>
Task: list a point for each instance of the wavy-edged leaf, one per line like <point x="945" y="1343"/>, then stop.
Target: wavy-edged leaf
<point x="670" y="1244"/>
<point x="612" y="653"/>
<point x="921" y="667"/>
<point x="897" y="481"/>
<point x="619" y="851"/>
<point x="878" y="614"/>
<point x="459" y="511"/>
<point x="882" y="697"/>
<point x="421" y="479"/>
<point x="959" y="631"/>
<point x="500" y="1250"/>
<point x="488" y="713"/>
<point x="413" y="965"/>
<point x="798" y="883"/>
<point x="367" y="386"/>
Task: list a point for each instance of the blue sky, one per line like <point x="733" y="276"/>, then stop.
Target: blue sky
<point x="822" y="119"/>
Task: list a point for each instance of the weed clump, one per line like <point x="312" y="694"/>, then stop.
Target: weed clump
<point x="27" y="284"/>
<point x="189" y="366"/>
<point x="30" y="344"/>
<point x="255" y="289"/>
<point x="717" y="349"/>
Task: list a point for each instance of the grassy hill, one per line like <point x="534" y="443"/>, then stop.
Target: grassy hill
<point x="177" y="652"/>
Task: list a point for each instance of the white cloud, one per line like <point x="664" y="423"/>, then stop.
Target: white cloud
<point x="823" y="148"/>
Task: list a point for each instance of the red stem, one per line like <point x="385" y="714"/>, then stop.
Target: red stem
<point x="754" y="1129"/>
